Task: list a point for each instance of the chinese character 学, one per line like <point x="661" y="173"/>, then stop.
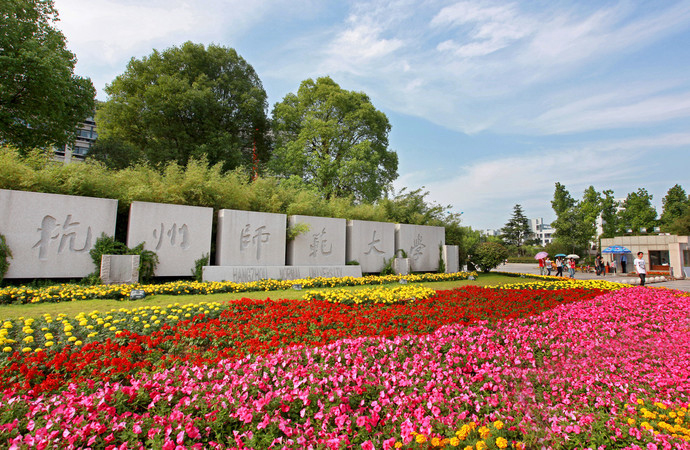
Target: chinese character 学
<point x="320" y="244"/>
<point x="172" y="235"/>
<point x="51" y="230"/>
<point x="372" y="245"/>
<point x="260" y="236"/>
<point x="417" y="248"/>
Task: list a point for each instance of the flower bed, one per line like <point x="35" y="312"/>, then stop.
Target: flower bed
<point x="71" y="292"/>
<point x="372" y="295"/>
<point x="487" y="368"/>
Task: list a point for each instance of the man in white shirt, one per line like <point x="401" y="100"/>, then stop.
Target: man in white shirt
<point x="640" y="267"/>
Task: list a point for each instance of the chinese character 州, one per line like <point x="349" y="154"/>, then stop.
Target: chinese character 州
<point x="417" y="248"/>
<point x="372" y="245"/>
<point x="319" y="244"/>
<point x="50" y="231"/>
<point x="172" y="234"/>
<point x="261" y="236"/>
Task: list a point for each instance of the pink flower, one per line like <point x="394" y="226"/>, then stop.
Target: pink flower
<point x="368" y="445"/>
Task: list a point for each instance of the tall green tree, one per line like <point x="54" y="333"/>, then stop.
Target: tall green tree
<point x="41" y="99"/>
<point x="572" y="228"/>
<point x="638" y="213"/>
<point x="184" y="103"/>
<point x="516" y="231"/>
<point x="609" y="214"/>
<point x="675" y="204"/>
<point x="334" y="139"/>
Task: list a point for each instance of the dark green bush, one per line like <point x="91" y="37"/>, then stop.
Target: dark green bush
<point x="199" y="264"/>
<point x="5" y="255"/>
<point x="489" y="255"/>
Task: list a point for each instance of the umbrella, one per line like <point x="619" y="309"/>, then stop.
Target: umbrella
<point x="560" y="254"/>
<point x="616" y="249"/>
<point x="572" y="255"/>
<point x="541" y="255"/>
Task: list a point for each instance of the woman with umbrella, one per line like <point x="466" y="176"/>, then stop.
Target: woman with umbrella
<point x="541" y="257"/>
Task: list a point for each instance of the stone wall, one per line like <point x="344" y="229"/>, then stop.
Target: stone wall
<point x="50" y="235"/>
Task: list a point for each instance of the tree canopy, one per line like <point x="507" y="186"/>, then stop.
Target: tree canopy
<point x="573" y="226"/>
<point x="334" y="139"/>
<point x="41" y="100"/>
<point x="183" y="103"/>
<point x="675" y="204"/>
<point x="638" y="213"/>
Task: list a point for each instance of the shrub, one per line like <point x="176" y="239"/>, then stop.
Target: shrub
<point x="199" y="264"/>
<point x="489" y="255"/>
<point x="5" y="255"/>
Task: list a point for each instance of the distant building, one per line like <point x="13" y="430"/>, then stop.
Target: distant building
<point x="86" y="135"/>
<point x="665" y="253"/>
<point x="542" y="231"/>
<point x="490" y="232"/>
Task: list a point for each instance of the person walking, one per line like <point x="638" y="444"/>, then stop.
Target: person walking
<point x="640" y="267"/>
<point x="597" y="265"/>
<point x="559" y="267"/>
<point x="571" y="268"/>
<point x="542" y="269"/>
<point x="547" y="263"/>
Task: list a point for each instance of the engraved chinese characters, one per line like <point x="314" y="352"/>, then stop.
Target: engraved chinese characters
<point x="421" y="244"/>
<point x="370" y="244"/>
<point x="178" y="234"/>
<point x="323" y="244"/>
<point x="247" y="238"/>
<point x="50" y="235"/>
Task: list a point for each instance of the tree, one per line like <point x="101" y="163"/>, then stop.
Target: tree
<point x="675" y="204"/>
<point x="638" y="213"/>
<point x="681" y="226"/>
<point x="572" y="229"/>
<point x="516" y="231"/>
<point x="334" y="139"/>
<point x="187" y="102"/>
<point x="489" y="255"/>
<point x="609" y="214"/>
<point x="41" y="100"/>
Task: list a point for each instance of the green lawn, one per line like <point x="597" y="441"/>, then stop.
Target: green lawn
<point x="71" y="309"/>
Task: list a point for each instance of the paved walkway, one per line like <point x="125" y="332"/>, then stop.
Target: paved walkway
<point x="681" y="285"/>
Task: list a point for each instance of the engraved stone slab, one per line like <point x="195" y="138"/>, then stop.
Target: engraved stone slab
<point x="322" y="245"/>
<point x="120" y="269"/>
<point x="247" y="238"/>
<point x="401" y="266"/>
<point x="451" y="258"/>
<point x="370" y="244"/>
<point x="421" y="244"/>
<point x="246" y="274"/>
<point x="50" y="235"/>
<point x="178" y="234"/>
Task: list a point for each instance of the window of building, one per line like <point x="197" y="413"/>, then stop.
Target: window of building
<point x="659" y="259"/>
<point x="686" y="258"/>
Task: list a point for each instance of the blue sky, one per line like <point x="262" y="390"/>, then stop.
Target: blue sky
<point x="491" y="103"/>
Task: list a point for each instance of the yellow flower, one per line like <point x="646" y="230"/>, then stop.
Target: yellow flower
<point x="398" y="444"/>
<point x="484" y="432"/>
<point x="49" y="344"/>
<point x="436" y="442"/>
<point x="420" y="438"/>
<point x="481" y="445"/>
<point x="7" y="349"/>
<point x="26" y="350"/>
<point x="501" y="442"/>
<point x="498" y="425"/>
